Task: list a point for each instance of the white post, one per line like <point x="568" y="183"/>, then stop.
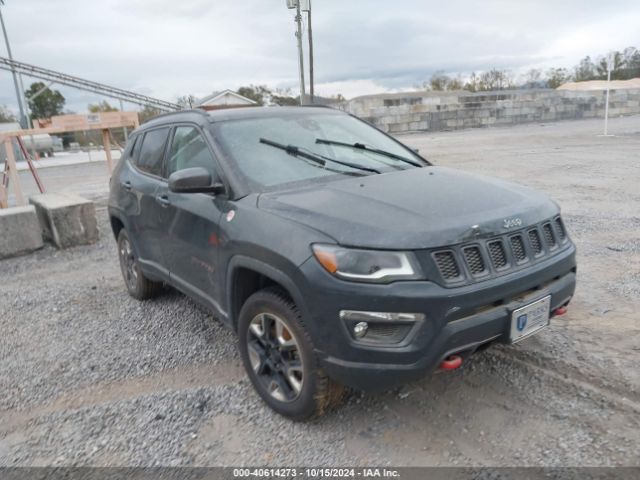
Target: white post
<point x="610" y="61"/>
<point x="291" y="4"/>
<point x="300" y="54"/>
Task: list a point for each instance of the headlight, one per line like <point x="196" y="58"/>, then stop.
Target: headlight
<point x="376" y="266"/>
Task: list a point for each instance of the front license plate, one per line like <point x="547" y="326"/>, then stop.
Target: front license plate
<point x="529" y="319"/>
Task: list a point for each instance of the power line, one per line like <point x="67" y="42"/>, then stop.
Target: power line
<point x="87" y="85"/>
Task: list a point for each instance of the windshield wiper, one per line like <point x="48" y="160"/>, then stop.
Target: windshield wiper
<point x="362" y="146"/>
<point x="314" y="157"/>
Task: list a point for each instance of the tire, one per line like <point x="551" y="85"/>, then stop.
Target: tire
<point x="138" y="286"/>
<point x="287" y="377"/>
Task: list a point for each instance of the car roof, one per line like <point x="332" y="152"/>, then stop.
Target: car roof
<point x="265" y="112"/>
<point x="198" y="115"/>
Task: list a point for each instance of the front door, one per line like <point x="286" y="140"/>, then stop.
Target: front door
<point x="191" y="248"/>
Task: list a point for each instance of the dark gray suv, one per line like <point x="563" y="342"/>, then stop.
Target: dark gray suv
<point x="339" y="256"/>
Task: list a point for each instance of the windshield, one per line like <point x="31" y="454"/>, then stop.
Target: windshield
<point x="265" y="167"/>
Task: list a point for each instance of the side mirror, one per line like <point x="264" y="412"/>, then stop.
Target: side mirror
<point x="416" y="150"/>
<point x="194" y="180"/>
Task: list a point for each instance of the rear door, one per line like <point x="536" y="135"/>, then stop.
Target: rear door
<point x="192" y="242"/>
<point x="145" y="211"/>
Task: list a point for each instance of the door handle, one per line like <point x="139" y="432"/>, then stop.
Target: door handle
<point x="126" y="185"/>
<point x="163" y="200"/>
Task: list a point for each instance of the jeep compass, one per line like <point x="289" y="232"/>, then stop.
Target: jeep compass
<point x="338" y="255"/>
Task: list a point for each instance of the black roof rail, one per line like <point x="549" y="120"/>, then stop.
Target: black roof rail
<point x="199" y="111"/>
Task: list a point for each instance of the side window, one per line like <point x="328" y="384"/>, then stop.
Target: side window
<point x="131" y="145"/>
<point x="189" y="149"/>
<point x="149" y="158"/>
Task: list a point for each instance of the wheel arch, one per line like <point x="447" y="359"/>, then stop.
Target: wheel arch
<point x="116" y="225"/>
<point x="246" y="275"/>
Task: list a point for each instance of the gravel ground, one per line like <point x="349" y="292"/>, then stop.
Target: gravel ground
<point x="89" y="376"/>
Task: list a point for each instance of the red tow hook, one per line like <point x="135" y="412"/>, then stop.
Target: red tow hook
<point x="561" y="311"/>
<point x="451" y="362"/>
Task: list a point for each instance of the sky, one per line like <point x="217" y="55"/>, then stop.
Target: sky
<point x="168" y="48"/>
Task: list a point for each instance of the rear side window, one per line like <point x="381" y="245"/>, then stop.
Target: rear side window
<point x="149" y="159"/>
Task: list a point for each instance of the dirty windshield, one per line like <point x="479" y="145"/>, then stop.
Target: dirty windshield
<point x="264" y="166"/>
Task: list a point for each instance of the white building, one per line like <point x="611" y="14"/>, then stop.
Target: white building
<point x="224" y="99"/>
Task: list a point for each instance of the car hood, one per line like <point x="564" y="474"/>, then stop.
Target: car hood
<point x="411" y="209"/>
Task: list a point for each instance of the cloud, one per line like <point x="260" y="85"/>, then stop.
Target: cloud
<point x="167" y="48"/>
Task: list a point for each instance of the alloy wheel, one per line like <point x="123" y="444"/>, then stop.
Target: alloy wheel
<point x="275" y="357"/>
<point x="128" y="263"/>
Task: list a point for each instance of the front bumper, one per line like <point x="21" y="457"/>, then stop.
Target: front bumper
<point x="457" y="319"/>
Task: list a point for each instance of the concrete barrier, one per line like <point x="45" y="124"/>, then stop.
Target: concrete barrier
<point x="434" y="111"/>
<point x="67" y="220"/>
<point x="20" y="231"/>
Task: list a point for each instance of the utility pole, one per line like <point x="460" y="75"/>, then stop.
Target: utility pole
<point x="311" y="79"/>
<point x="19" y="97"/>
<point x="300" y="55"/>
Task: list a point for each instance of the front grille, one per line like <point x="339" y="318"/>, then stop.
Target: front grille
<point x="498" y="255"/>
<point x="562" y="233"/>
<point x="517" y="247"/>
<point x="484" y="258"/>
<point x="474" y="260"/>
<point x="549" y="238"/>
<point x="536" y="244"/>
<point x="447" y="264"/>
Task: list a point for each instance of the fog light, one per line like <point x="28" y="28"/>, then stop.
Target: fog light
<point x="362" y="316"/>
<point x="360" y="330"/>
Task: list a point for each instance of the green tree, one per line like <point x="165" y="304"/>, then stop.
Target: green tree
<point x="618" y="65"/>
<point x="102" y="106"/>
<point x="47" y="104"/>
<point x="6" y="116"/>
<point x="285" y="100"/>
<point x="631" y="63"/>
<point x="455" y="83"/>
<point x="585" y="70"/>
<point x="438" y="82"/>
<point x="257" y="93"/>
<point x="557" y="76"/>
<point x="284" y="97"/>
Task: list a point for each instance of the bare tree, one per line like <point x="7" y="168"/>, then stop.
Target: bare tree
<point x="439" y="81"/>
<point x="533" y="78"/>
<point x="186" y="101"/>
<point x="6" y="116"/>
<point x="473" y="84"/>
<point x="495" y="79"/>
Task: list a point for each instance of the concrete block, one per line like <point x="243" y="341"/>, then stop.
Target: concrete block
<point x="417" y="126"/>
<point x="67" y="220"/>
<point x="398" y="127"/>
<point x="20" y="231"/>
